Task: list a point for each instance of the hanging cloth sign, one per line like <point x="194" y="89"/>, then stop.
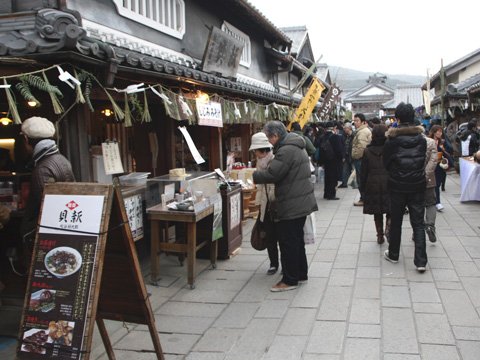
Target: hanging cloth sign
<point x="303" y="112"/>
<point x="329" y="102"/>
<point x="209" y="113"/>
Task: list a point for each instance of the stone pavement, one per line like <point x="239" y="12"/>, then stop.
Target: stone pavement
<point x="355" y="305"/>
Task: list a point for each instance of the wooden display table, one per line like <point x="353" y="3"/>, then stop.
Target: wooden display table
<point x="159" y="217"/>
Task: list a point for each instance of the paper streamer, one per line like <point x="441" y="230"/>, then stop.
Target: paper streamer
<point x="191" y="145"/>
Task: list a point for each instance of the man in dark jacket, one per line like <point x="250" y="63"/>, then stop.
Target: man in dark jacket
<point x="331" y="163"/>
<point x="48" y="166"/>
<point x="295" y="200"/>
<point x="404" y="158"/>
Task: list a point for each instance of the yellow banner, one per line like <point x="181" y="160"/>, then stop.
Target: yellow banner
<point x="302" y="114"/>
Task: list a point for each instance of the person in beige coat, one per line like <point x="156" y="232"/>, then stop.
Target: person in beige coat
<point x="265" y="195"/>
<point x="363" y="137"/>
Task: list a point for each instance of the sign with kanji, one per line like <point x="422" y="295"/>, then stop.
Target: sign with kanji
<point x="84" y="269"/>
<point x="303" y="112"/>
<point x="330" y="100"/>
<point x="222" y="53"/>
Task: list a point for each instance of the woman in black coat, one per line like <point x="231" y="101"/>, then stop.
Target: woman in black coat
<point x="373" y="182"/>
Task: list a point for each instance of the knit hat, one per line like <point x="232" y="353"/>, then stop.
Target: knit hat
<point x="38" y="128"/>
<point x="260" y="141"/>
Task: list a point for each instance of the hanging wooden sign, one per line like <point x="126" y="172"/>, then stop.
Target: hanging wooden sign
<point x="84" y="268"/>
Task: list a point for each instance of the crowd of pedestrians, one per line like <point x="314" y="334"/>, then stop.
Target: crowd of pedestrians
<point x="399" y="166"/>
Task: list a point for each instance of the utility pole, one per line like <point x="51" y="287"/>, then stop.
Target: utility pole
<point x="442" y="91"/>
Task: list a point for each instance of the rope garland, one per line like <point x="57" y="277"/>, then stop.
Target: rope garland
<point x="178" y="105"/>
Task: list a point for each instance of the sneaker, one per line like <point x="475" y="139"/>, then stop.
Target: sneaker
<point x="421" y="269"/>
<point x="387" y="257"/>
<point x="430" y="230"/>
<point x="439" y="207"/>
<point x="281" y="286"/>
<point x="272" y="270"/>
<point x="303" y="281"/>
<point x="358" y="203"/>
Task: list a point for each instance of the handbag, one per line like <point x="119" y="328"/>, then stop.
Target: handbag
<point x="259" y="237"/>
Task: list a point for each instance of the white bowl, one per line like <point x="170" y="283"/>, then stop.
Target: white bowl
<point x="63" y="269"/>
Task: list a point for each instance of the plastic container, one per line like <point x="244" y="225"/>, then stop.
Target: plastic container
<point x="134" y="179"/>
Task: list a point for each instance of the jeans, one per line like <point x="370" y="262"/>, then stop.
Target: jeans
<point x="430" y="209"/>
<point x="292" y="250"/>
<point x="416" y="208"/>
<point x="357" y="165"/>
<point x="346" y="171"/>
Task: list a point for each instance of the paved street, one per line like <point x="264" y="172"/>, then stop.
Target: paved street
<point x="355" y="305"/>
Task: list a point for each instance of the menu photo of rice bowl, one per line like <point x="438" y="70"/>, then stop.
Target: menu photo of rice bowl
<point x="63" y="261"/>
<point x="42" y="300"/>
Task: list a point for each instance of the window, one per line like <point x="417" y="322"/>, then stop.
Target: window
<point x="245" y="60"/>
<point x="167" y="16"/>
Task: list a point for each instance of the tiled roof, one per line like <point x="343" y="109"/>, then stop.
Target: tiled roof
<point x="298" y="35"/>
<point x="15" y="40"/>
<point x="405" y="93"/>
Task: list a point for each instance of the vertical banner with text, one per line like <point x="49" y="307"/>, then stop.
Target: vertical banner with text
<point x="302" y="114"/>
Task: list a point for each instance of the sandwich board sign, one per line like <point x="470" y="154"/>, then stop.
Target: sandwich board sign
<point x="84" y="269"/>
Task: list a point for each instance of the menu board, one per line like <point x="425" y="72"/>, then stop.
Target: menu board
<point x="59" y="289"/>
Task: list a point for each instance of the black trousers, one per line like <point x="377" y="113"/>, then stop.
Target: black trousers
<point x="272" y="244"/>
<point x="416" y="208"/>
<point x="292" y="250"/>
<point x="331" y="179"/>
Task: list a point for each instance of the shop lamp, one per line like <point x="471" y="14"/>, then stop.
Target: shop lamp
<point x="5" y="121"/>
<point x="202" y="97"/>
<point x="107" y="112"/>
<point x="32" y="103"/>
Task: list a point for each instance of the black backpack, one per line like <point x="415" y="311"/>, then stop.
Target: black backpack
<point x="325" y="150"/>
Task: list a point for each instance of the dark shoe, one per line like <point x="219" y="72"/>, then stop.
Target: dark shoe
<point x="272" y="270"/>
<point x="387" y="257"/>
<point x="358" y="203"/>
<point x="334" y="198"/>
<point x="281" y="286"/>
<point x="443" y="188"/>
<point x="430" y="230"/>
<point x="302" y="281"/>
<point x="380" y="239"/>
<point x="343" y="186"/>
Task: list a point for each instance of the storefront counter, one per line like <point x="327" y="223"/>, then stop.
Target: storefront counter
<point x="160" y="217"/>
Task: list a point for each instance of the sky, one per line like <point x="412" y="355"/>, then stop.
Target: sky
<point x="389" y="36"/>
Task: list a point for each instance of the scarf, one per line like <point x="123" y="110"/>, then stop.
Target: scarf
<point x="262" y="163"/>
<point x="44" y="148"/>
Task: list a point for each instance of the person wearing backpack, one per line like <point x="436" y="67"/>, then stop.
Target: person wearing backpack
<point x="362" y="138"/>
<point x="331" y="154"/>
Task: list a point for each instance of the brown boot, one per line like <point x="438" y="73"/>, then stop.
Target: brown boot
<point x="379" y="227"/>
<point x="387" y="228"/>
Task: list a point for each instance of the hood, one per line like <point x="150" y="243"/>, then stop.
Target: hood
<point x="292" y="139"/>
<point x="404" y="130"/>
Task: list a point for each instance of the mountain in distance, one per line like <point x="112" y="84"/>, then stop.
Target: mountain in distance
<point x="350" y="80"/>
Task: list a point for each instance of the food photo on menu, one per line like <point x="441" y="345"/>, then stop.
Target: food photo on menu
<point x="42" y="300"/>
<point x="63" y="261"/>
<point x="61" y="332"/>
<point x="34" y="341"/>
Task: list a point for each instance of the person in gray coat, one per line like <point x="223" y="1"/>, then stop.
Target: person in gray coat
<point x="295" y="200"/>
